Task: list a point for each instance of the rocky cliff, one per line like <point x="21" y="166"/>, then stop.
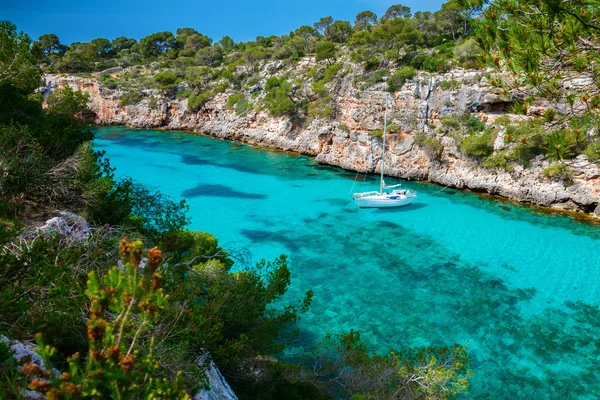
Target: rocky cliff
<point x="345" y="140"/>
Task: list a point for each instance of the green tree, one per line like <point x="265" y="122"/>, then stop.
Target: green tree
<point x="18" y="59"/>
<point x="325" y="51"/>
<point x="103" y="47"/>
<point x="156" y="44"/>
<point x="339" y="31"/>
<point x="365" y="20"/>
<point x="122" y="43"/>
<point x="211" y="56"/>
<point x="396" y="11"/>
<point x="226" y="43"/>
<point x="279" y="99"/>
<point x="165" y="80"/>
<point x="50" y="44"/>
<point x="322" y="24"/>
<point x="253" y="56"/>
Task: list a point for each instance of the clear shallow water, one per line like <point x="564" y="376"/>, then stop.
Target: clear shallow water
<point x="521" y="289"/>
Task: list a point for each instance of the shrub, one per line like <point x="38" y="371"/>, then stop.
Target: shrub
<point x="558" y="145"/>
<point x="372" y="78"/>
<point x="399" y="78"/>
<point x="165" y="80"/>
<point x="195" y="101"/>
<point x="130" y="98"/>
<point x="593" y="152"/>
<point x="344" y="128"/>
<point x="120" y="362"/>
<point x="559" y="172"/>
<point x="325" y="51"/>
<point x="343" y="365"/>
<point x="242" y="106"/>
<point x="478" y="146"/>
<point x="432" y="146"/>
<point x="497" y="160"/>
<point x="233" y="99"/>
<point x="277" y="99"/>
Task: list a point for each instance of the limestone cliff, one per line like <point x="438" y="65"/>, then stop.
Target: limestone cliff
<point x="345" y="140"/>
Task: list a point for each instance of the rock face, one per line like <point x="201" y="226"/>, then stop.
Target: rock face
<point x="219" y="388"/>
<point x="345" y="141"/>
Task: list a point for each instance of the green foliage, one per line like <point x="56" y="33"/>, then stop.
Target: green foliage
<point x="234" y="99"/>
<point x="278" y="99"/>
<point x="325" y="51"/>
<point x="19" y="59"/>
<point x="343" y="364"/>
<point x="559" y="172"/>
<point x="497" y="160"/>
<point x="542" y="42"/>
<point x="36" y="269"/>
<point x="558" y="145"/>
<point x="399" y="78"/>
<point x="372" y="78"/>
<point x="344" y="128"/>
<point x="593" y="152"/>
<point x="130" y="98"/>
<point x="67" y="102"/>
<point x="449" y="85"/>
<point x="120" y="362"/>
<point x="156" y="44"/>
<point x="432" y="146"/>
<point x="477" y="145"/>
<point x="165" y="80"/>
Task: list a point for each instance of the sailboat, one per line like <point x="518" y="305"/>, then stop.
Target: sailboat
<point x="384" y="197"/>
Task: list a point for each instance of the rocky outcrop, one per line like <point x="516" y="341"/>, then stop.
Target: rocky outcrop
<point x="219" y="388"/>
<point x="345" y="142"/>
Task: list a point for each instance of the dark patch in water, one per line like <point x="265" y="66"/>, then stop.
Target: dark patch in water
<point x="194" y="160"/>
<point x="388" y="224"/>
<point x="335" y="202"/>
<point x="505" y="208"/>
<point x="219" y="191"/>
<point x="190" y="159"/>
<point x="257" y="235"/>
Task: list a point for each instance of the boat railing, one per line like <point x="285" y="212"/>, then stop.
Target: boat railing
<point x="364" y="194"/>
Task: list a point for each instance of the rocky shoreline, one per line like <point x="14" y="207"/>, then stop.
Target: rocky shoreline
<point x="346" y="142"/>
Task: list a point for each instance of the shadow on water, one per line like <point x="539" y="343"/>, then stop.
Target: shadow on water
<point x="219" y="191"/>
<point x="189" y="159"/>
<point x="410" y="207"/>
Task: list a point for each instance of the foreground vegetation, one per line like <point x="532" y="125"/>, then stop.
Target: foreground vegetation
<point x="135" y="327"/>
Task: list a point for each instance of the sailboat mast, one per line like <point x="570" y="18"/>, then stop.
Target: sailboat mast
<point x="383" y="149"/>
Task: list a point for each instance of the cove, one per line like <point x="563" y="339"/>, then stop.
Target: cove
<point x="521" y="289"/>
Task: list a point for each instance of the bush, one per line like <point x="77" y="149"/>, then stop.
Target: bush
<point x="277" y="99"/>
<point x="373" y="78"/>
<point x="478" y="146"/>
<point x="558" y="146"/>
<point x="559" y="172"/>
<point x="325" y="51"/>
<point x="593" y="152"/>
<point x="432" y="146"/>
<point x="233" y="99"/>
<point x="165" y="80"/>
<point x="130" y="98"/>
<point x="399" y="78"/>
<point x="120" y="362"/>
<point x="497" y="160"/>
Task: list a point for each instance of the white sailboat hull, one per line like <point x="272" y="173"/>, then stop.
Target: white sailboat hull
<point x="384" y="200"/>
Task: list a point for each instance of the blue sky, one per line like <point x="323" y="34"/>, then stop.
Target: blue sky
<point x="84" y="20"/>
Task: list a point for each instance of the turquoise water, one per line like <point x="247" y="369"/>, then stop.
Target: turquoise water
<point x="520" y="288"/>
